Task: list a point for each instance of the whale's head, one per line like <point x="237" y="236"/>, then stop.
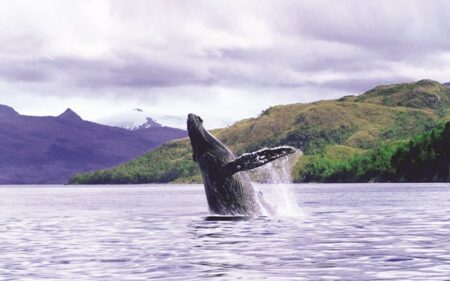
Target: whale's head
<point x="194" y="123"/>
<point x="201" y="140"/>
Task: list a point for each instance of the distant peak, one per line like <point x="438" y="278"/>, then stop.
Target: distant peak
<point x="149" y="123"/>
<point x="447" y="84"/>
<point x="7" y="111"/>
<point x="138" y="110"/>
<point x="69" y="115"/>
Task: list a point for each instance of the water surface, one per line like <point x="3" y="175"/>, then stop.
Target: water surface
<point x="346" y="232"/>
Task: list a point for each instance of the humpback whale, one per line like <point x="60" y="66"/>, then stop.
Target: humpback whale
<point x="228" y="188"/>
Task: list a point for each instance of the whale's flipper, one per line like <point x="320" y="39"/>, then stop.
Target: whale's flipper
<point x="258" y="158"/>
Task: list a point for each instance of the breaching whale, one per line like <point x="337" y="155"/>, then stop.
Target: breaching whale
<point x="228" y="188"/>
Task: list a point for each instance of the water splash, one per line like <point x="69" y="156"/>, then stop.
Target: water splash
<point x="279" y="189"/>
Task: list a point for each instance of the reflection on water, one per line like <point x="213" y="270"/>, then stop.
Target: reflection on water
<point x="347" y="232"/>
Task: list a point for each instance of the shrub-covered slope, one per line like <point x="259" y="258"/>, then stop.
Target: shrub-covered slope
<point x="340" y="128"/>
<point x="425" y="158"/>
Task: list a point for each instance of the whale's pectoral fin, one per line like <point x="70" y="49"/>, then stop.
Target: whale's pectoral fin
<point x="258" y="158"/>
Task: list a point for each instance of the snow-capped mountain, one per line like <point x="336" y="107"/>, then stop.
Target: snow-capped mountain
<point x="132" y="120"/>
<point x="138" y="118"/>
<point x="150" y="123"/>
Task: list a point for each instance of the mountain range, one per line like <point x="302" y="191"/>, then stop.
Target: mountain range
<point x="332" y="129"/>
<point x="48" y="150"/>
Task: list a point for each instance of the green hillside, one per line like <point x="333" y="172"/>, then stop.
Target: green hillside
<point x="338" y="128"/>
<point x="424" y="158"/>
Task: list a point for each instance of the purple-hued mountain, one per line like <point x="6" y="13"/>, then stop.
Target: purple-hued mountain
<point x="447" y="84"/>
<point x="38" y="150"/>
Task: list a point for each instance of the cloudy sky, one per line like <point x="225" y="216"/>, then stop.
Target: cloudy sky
<point x="224" y="60"/>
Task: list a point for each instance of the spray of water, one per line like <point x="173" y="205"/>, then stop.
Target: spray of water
<point x="279" y="190"/>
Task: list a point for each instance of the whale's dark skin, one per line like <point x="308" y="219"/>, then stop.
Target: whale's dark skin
<point x="228" y="188"/>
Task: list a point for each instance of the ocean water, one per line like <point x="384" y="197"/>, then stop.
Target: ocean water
<point x="164" y="232"/>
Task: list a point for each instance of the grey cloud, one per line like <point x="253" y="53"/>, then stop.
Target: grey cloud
<point x="388" y="31"/>
<point x="140" y="75"/>
<point x="394" y="30"/>
<point x="298" y="62"/>
<point x="20" y="73"/>
<point x="102" y="73"/>
<point x="23" y="72"/>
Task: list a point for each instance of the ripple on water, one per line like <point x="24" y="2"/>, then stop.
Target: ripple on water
<point x="333" y="241"/>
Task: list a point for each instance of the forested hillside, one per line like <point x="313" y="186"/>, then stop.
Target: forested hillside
<point x="425" y="158"/>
